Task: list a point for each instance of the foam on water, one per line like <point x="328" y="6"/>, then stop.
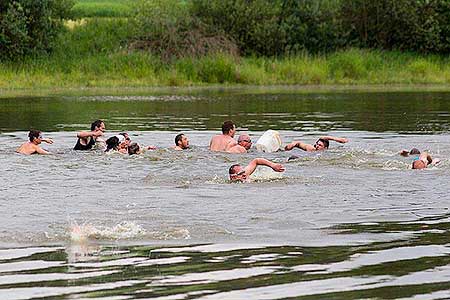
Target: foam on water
<point x="123" y="230"/>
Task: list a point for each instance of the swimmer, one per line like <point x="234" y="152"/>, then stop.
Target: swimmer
<point x="118" y="143"/>
<point x="413" y="151"/>
<point x="135" y="148"/>
<point x="321" y="144"/>
<point x="244" y="144"/>
<point x="88" y="139"/>
<point x="223" y="142"/>
<point x="32" y="147"/>
<point x="181" y="142"/>
<point x="241" y="174"/>
<point x="123" y="146"/>
<point x="424" y="160"/>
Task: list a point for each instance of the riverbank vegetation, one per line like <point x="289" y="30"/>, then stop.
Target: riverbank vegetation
<point x="141" y="43"/>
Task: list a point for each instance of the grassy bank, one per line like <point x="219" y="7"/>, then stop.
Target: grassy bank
<point x="123" y="69"/>
<point x="94" y="53"/>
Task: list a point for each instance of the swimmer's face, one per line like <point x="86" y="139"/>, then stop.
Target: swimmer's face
<point x="319" y="145"/>
<point x="127" y="140"/>
<point x="184" y="143"/>
<point x="240" y="175"/>
<point x="102" y="127"/>
<point x="38" y="140"/>
<point x="247" y="143"/>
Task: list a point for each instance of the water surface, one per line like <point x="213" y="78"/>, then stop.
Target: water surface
<point x="353" y="222"/>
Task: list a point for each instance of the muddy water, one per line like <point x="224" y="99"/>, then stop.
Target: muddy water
<point x="353" y="222"/>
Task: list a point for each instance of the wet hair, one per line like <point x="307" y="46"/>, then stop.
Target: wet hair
<point x="133" y="148"/>
<point x="232" y="169"/>
<point x="178" y="138"/>
<point x="414" y="151"/>
<point x="112" y="143"/>
<point x="326" y="143"/>
<point x="33" y="134"/>
<point x="418" y="164"/>
<point x="227" y="126"/>
<point x="96" y="123"/>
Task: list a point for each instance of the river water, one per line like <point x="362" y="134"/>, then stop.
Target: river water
<point x="354" y="222"/>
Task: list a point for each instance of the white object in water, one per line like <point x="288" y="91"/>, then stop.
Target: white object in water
<point x="270" y="141"/>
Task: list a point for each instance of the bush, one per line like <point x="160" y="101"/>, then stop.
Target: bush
<point x="168" y="29"/>
<point x="253" y="24"/>
<point x="30" y="27"/>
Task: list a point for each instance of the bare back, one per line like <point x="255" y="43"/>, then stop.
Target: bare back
<point x="221" y="143"/>
<point x="29" y="148"/>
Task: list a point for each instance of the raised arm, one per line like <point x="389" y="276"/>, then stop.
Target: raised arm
<point x="298" y="144"/>
<point x="336" y="139"/>
<point x="426" y="157"/>
<point x="262" y="162"/>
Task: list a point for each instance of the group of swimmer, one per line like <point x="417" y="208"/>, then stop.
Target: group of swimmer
<point x="225" y="142"/>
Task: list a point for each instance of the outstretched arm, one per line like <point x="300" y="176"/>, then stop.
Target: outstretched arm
<point x="39" y="150"/>
<point x="48" y="141"/>
<point x="86" y="134"/>
<point x="336" y="139"/>
<point x="262" y="162"/>
<point x="298" y="144"/>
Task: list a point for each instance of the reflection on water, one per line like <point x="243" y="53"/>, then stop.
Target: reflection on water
<point x="395" y="112"/>
<point x="402" y="268"/>
<point x="354" y="222"/>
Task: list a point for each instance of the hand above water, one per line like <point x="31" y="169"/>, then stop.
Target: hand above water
<point x="97" y="133"/>
<point x="278" y="168"/>
<point x="48" y="141"/>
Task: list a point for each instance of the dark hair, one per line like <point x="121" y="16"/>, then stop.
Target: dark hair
<point x="414" y="151"/>
<point x="112" y="143"/>
<point x="326" y="143"/>
<point x="33" y="134"/>
<point x="178" y="138"/>
<point x="133" y="148"/>
<point x="227" y="126"/>
<point x="232" y="169"/>
<point x="95" y="124"/>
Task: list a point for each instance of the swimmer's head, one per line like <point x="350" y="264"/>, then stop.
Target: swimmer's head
<point x="237" y="173"/>
<point x="419" y="164"/>
<point x="245" y="141"/>
<point x="229" y="128"/>
<point x="113" y="142"/>
<point x="98" y="125"/>
<point x="134" y="148"/>
<point x="35" y="136"/>
<point x="414" y="151"/>
<point x="182" y="141"/>
<point x="321" y="144"/>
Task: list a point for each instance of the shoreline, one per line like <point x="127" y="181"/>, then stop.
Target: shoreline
<point x="238" y="89"/>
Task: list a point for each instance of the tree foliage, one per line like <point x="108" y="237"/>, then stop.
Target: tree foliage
<point x="29" y="27"/>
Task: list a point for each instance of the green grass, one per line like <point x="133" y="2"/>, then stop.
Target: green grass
<point x="102" y="8"/>
<point x="94" y="54"/>
<point x="137" y="69"/>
